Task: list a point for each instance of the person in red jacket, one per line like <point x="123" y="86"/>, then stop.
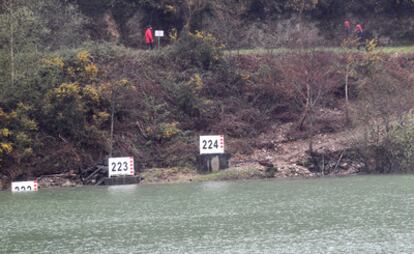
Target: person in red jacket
<point x="149" y="39"/>
<point x="347" y="28"/>
<point x="359" y="31"/>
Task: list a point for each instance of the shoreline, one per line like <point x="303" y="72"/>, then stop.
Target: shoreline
<point x="187" y="175"/>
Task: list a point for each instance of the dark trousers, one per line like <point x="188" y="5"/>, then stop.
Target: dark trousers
<point x="347" y="33"/>
<point x="361" y="42"/>
<point x="150" y="46"/>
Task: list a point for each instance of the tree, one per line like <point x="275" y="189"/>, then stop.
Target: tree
<point x="310" y="79"/>
<point x="63" y="25"/>
<point x="301" y="6"/>
<point x="351" y="62"/>
<point x="385" y="93"/>
<point x="18" y="29"/>
<point x="112" y="91"/>
<point x="194" y="10"/>
<point x="27" y="29"/>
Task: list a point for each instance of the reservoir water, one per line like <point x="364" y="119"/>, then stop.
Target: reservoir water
<point x="364" y="214"/>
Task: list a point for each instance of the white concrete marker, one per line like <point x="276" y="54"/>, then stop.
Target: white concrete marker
<point x="211" y="144"/>
<point x="123" y="166"/>
<point x="24" y="186"/>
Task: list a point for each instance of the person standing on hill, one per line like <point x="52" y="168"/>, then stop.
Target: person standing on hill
<point x="149" y="39"/>
<point x="347" y="28"/>
<point x="359" y="31"/>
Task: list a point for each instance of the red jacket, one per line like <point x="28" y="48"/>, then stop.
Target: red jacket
<point x="358" y="28"/>
<point x="148" y="36"/>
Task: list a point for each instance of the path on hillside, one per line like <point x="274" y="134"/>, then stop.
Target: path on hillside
<point x="265" y="51"/>
<point x="283" y="50"/>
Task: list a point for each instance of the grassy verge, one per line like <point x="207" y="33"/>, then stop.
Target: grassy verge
<point x="110" y="49"/>
<point x="231" y="174"/>
<point x="263" y="51"/>
<point x="181" y="175"/>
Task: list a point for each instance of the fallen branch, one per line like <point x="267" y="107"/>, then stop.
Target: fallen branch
<point x="339" y="161"/>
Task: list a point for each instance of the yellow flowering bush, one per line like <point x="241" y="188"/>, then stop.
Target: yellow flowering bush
<point x="71" y="71"/>
<point x="92" y="93"/>
<point x="207" y="38"/>
<point x="83" y="56"/>
<point x="173" y="35"/>
<point x="16" y="134"/>
<point x="123" y="82"/>
<point x="79" y="68"/>
<point x="196" y="82"/>
<point x="198" y="49"/>
<point x="168" y="130"/>
<point x="91" y="70"/>
<point x="162" y="132"/>
<point x="6" y="148"/>
<point x="5" y="132"/>
<point x="75" y="111"/>
<point x="101" y="117"/>
<point x="53" y="62"/>
<point x="70" y="106"/>
<point x="67" y="89"/>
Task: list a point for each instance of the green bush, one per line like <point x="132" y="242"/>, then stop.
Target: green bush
<point x="400" y="145"/>
<point x="199" y="49"/>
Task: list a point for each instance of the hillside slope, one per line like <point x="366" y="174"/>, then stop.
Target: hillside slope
<point x="270" y="107"/>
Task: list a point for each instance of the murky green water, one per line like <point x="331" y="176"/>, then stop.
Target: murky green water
<point x="345" y="215"/>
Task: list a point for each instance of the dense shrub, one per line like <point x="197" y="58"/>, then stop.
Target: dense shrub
<point x="65" y="103"/>
<point x="17" y="137"/>
<point x="199" y="49"/>
<point x="383" y="108"/>
<point x="400" y="145"/>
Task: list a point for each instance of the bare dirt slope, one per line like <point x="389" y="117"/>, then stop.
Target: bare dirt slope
<point x="290" y="154"/>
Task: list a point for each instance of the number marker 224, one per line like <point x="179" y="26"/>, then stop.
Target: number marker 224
<point x="211" y="144"/>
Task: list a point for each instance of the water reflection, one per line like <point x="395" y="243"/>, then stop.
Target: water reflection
<point x="215" y="186"/>
<point x="123" y="188"/>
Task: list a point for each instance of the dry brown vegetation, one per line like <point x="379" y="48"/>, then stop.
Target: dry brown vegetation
<point x="250" y="98"/>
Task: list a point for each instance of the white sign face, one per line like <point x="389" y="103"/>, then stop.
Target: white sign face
<point x="26" y="186"/>
<point x="123" y="166"/>
<point x="211" y="144"/>
<point x="159" y="33"/>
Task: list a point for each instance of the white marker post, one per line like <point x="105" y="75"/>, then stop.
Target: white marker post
<point x="123" y="166"/>
<point x="24" y="186"/>
<point x="212" y="144"/>
<point x="159" y="34"/>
